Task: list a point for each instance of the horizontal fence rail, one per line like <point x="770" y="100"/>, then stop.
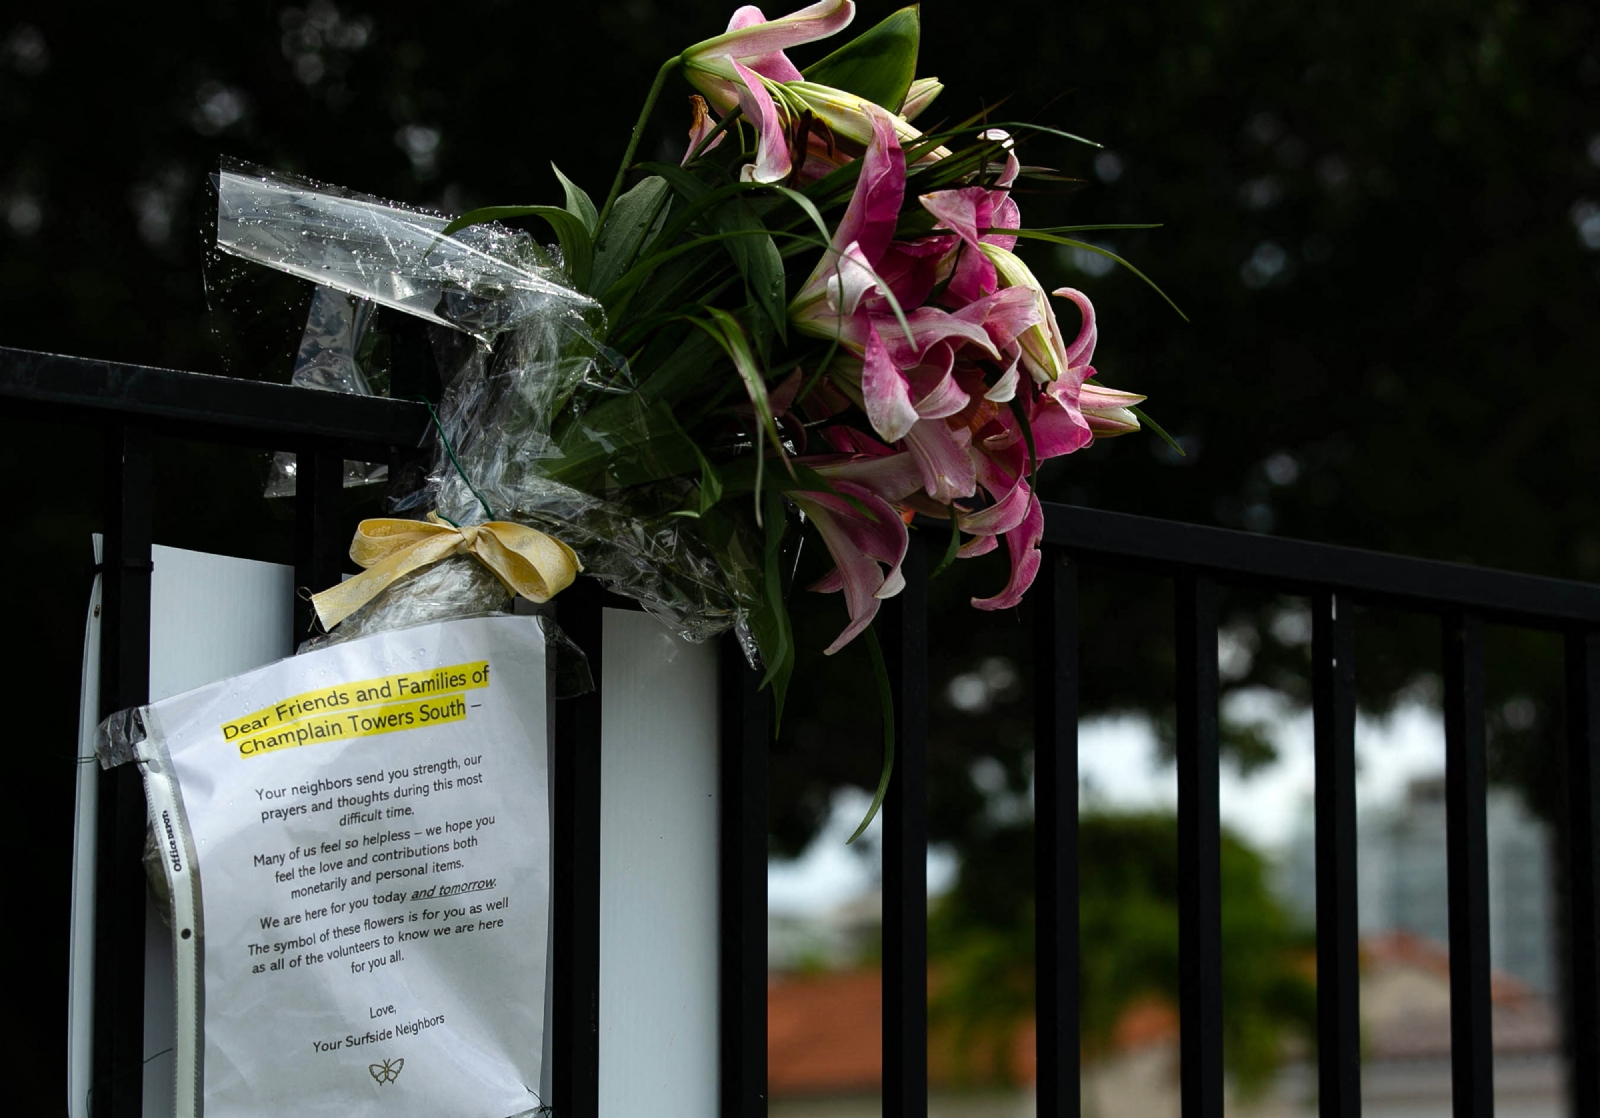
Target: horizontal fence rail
<point x="1297" y="566"/>
<point x="132" y="404"/>
<point x="209" y="408"/>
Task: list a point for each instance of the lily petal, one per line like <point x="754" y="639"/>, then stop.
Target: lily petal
<point x="885" y="392"/>
<point x="1093" y="395"/>
<point x="700" y="127"/>
<point x="934" y="389"/>
<point x="944" y="456"/>
<point x="1081" y="350"/>
<point x="1005" y="389"/>
<point x="1059" y="426"/>
<point x="1002" y="516"/>
<point x="893" y="476"/>
<point x="858" y="544"/>
<point x="775" y="64"/>
<point x="772" y="152"/>
<point x="874" y="208"/>
<point x="868" y="220"/>
<point x="964" y="212"/>
<point x="756" y="36"/>
<point x="1023" y="543"/>
<point x="931" y="325"/>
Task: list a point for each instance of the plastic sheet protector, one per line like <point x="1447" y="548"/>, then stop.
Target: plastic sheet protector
<point x="357" y="840"/>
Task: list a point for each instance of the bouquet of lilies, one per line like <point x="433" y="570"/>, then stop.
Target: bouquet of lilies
<point x="831" y="303"/>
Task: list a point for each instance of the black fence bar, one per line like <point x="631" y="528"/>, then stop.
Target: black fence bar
<point x="1467" y="844"/>
<point x="745" y="734"/>
<point x="1338" y="946"/>
<point x="217" y="409"/>
<point x="575" y="868"/>
<point x="1301" y="567"/>
<point x="1055" y="835"/>
<point x="1583" y="870"/>
<point x="1199" y="850"/>
<point x="117" y="1090"/>
<point x="905" y="851"/>
<point x="320" y="545"/>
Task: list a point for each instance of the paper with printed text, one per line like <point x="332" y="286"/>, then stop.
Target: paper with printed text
<point x="370" y="827"/>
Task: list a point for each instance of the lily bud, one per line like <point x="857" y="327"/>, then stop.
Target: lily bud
<point x="1044" y="351"/>
<point x="850" y="117"/>
<point x="1108" y="411"/>
<point x="920" y="96"/>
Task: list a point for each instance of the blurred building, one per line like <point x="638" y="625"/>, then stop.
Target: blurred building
<point x="1403" y="880"/>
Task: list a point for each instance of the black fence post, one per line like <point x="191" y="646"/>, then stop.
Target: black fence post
<point x="746" y="734"/>
<point x="117" y="1090"/>
<point x="1199" y="850"/>
<point x="1467" y="846"/>
<point x="1583" y="870"/>
<point x="319" y="545"/>
<point x="1338" y="946"/>
<point x="905" y="850"/>
<point x="575" y="867"/>
<point x="1055" y="835"/>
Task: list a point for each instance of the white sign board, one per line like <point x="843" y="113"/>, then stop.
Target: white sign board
<point x="370" y="827"/>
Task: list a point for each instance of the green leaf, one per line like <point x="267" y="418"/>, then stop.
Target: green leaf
<point x="751" y="246"/>
<point x="756" y="256"/>
<point x="710" y="483"/>
<point x="578" y="203"/>
<point x="730" y="335"/>
<point x="953" y="547"/>
<point x="1035" y="235"/>
<point x="880" y="671"/>
<point x="1027" y="437"/>
<point x="809" y="208"/>
<point x="577" y="247"/>
<point x="780" y="662"/>
<point x="631" y="222"/>
<point x="1156" y="427"/>
<point x="645" y="268"/>
<point x="879" y="64"/>
<point x="769" y="619"/>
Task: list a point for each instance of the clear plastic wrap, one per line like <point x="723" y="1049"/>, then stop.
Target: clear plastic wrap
<point x="545" y="424"/>
<point x="482" y="281"/>
<point x="333" y="357"/>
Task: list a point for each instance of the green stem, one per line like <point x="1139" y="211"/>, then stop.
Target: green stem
<point x="633" y="141"/>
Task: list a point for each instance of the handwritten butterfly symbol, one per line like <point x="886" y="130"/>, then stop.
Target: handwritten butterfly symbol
<point x="388" y="1071"/>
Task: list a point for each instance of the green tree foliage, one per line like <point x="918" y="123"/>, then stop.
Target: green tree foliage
<point x="982" y="944"/>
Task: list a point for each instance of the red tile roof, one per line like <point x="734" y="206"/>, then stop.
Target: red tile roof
<point x="825" y="1033"/>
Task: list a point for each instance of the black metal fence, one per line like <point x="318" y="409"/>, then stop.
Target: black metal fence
<point x="130" y="406"/>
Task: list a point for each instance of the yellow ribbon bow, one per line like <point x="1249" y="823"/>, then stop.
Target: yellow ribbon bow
<point x="529" y="562"/>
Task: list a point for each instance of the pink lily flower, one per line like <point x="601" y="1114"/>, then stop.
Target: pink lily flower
<point x="863" y="537"/>
<point x="969" y="212"/>
<point x="847" y="297"/>
<point x="1015" y="514"/>
<point x="758" y="44"/>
